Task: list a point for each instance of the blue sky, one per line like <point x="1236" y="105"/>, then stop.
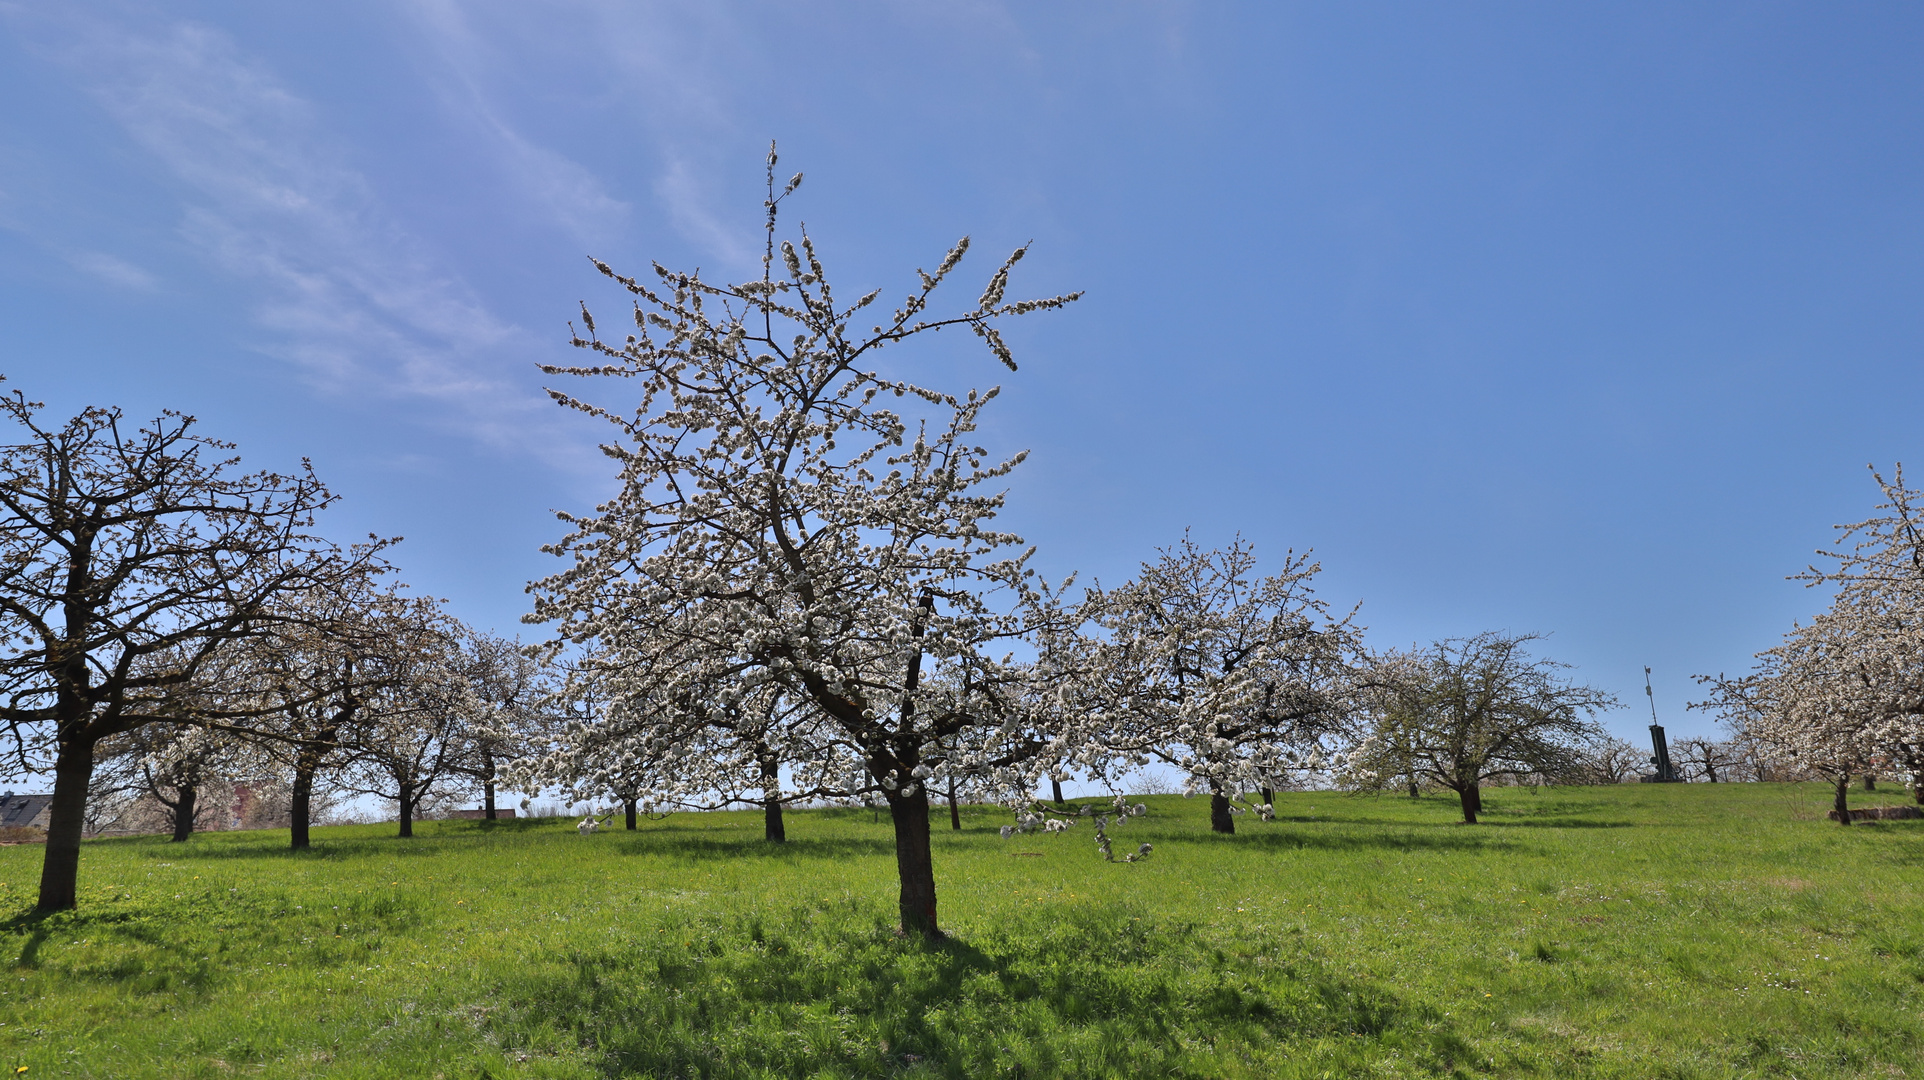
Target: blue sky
<point x="1576" y="319"/>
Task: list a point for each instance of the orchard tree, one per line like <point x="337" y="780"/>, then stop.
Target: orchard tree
<point x="178" y="761"/>
<point x="509" y="690"/>
<point x="413" y="732"/>
<point x="1715" y="760"/>
<point x="332" y="651"/>
<point x="1608" y="760"/>
<point x="1879" y="607"/>
<point x="1243" y="683"/>
<point x="1806" y="705"/>
<point x="1465" y="711"/>
<point x="120" y="549"/>
<point x="779" y="521"/>
<point x="1843" y="694"/>
<point x="724" y="750"/>
<point x="171" y="764"/>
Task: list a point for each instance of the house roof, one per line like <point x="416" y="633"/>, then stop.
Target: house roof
<point x="22" y="809"/>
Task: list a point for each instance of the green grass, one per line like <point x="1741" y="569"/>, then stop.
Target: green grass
<point x="1639" y="931"/>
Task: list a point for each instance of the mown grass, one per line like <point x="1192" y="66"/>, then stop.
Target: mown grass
<point x="1640" y="931"/>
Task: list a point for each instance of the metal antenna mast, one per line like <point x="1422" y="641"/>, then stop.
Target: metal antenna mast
<point x="1661" y="759"/>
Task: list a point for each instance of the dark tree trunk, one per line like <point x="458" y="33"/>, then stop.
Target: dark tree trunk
<point x="955" y="812"/>
<point x="184" y="812"/>
<point x="909" y="806"/>
<point x="628" y="810"/>
<point x="1415" y="792"/>
<point x="914" y="861"/>
<point x="307" y="766"/>
<point x="407" y="810"/>
<point x="1055" y="788"/>
<point x="773" y="830"/>
<point x="301" y="806"/>
<point x="1917" y="787"/>
<point x="487" y="786"/>
<point x="1870" y="782"/>
<point x="1472" y="797"/>
<point x="1842" y="803"/>
<point x="1710" y="771"/>
<point x="1269" y="797"/>
<point x="1220" y="819"/>
<point x="66" y="818"/>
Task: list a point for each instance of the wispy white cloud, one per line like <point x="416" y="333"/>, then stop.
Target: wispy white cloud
<point x="686" y="199"/>
<point x="673" y="61"/>
<point x="113" y="270"/>
<point x="349" y="294"/>
<point x="570" y="194"/>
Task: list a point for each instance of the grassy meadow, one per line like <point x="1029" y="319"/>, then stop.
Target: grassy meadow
<point x="1637" y="931"/>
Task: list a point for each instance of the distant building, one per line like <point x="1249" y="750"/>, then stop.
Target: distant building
<point x="502" y="813"/>
<point x="243" y="806"/>
<point x="24" y="811"/>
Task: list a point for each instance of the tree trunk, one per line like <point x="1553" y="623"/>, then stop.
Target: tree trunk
<point x="1472" y="797"/>
<point x="909" y="804"/>
<point x="487" y="786"/>
<point x="184" y="812"/>
<point x="1055" y="788"/>
<point x="301" y="805"/>
<point x="307" y="765"/>
<point x="1220" y="819"/>
<point x="1415" y="792"/>
<point x="407" y="810"/>
<point x="628" y="810"/>
<point x="66" y="817"/>
<point x="1269" y="797"/>
<point x="1870" y="782"/>
<point x="914" y="861"/>
<point x="773" y="830"/>
<point x="955" y="812"/>
<point x="1842" y="802"/>
<point x="1917" y="787"/>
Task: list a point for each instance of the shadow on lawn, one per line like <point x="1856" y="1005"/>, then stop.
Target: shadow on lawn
<point x="322" y="851"/>
<point x="1398" y="837"/>
<point x="1498" y="822"/>
<point x="828" y="988"/>
<point x="697" y="846"/>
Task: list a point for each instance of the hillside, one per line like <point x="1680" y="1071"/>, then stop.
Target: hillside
<point x="1689" y="931"/>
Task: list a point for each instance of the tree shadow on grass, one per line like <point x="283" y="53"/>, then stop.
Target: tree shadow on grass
<point x="828" y="988"/>
<point x="696" y="846"/>
<point x="1557" y="823"/>
<point x="321" y="851"/>
<point x="1357" y="841"/>
<point x="38" y="925"/>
